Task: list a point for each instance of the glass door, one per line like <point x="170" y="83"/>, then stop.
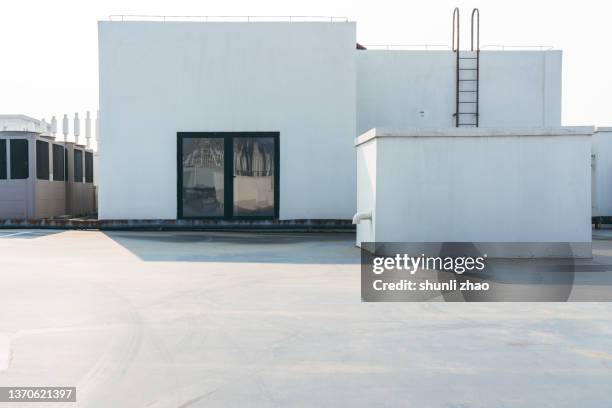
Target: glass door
<point x="253" y="174"/>
<point x="227" y="175"/>
<point x="203" y="177"/>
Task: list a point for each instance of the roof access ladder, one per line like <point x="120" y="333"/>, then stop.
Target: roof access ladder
<point x="467" y="112"/>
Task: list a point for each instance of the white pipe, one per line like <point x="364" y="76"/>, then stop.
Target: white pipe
<point x="77" y="128"/>
<point x="65" y="129"/>
<point x="360" y="216"/>
<point x="53" y="126"/>
<point x="88" y="128"/>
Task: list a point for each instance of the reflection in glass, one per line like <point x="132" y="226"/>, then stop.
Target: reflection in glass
<point x="203" y="177"/>
<point x="254" y="176"/>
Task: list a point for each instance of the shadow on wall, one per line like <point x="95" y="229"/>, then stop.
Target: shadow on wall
<point x="253" y="247"/>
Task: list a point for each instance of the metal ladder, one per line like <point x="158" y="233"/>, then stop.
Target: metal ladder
<point x="467" y="74"/>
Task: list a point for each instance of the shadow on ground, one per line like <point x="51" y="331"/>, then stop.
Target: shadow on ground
<point x="253" y="247"/>
<point x="27" y="234"/>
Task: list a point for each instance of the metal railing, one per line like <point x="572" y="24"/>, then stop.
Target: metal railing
<point x="406" y="46"/>
<point x="456" y="31"/>
<point x="518" y="47"/>
<point x="448" y="47"/>
<point x="147" y="17"/>
<point x="475" y="17"/>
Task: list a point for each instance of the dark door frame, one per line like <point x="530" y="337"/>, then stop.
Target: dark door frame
<point x="228" y="167"/>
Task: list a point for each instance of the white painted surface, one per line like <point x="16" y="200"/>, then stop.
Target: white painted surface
<point x="366" y="190"/>
<point x="476" y="185"/>
<point x="157" y="79"/>
<point x="602" y="172"/>
<point x="304" y="80"/>
<point x="407" y="89"/>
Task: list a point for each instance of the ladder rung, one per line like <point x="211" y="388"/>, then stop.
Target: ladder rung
<point x="473" y="68"/>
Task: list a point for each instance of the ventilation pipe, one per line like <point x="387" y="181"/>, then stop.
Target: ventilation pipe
<point x="65" y="129"/>
<point x="53" y="126"/>
<point x="88" y="129"/>
<point x="77" y="128"/>
<point x="360" y="216"/>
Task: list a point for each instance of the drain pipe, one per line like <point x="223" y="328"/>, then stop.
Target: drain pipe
<point x="360" y="216"/>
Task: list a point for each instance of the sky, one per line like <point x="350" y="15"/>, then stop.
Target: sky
<point x="48" y="63"/>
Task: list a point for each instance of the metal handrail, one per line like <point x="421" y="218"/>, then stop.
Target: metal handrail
<point x="455" y="46"/>
<point x="503" y="47"/>
<point x="131" y="17"/>
<point x="475" y="13"/>
<point x="448" y="47"/>
<point x="405" y="46"/>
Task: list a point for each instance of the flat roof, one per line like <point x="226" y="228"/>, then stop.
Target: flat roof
<point x="474" y="132"/>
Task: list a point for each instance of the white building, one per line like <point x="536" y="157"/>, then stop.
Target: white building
<point x="259" y="119"/>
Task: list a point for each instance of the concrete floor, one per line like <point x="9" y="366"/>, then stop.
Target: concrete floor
<point x="137" y="319"/>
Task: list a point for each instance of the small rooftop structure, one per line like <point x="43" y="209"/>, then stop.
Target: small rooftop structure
<point x="477" y="185"/>
<point x="17" y="122"/>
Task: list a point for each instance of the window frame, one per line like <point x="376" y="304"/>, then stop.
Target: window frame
<point x="228" y="179"/>
<point x="42" y="171"/>
<point x="3" y="159"/>
<point x="59" y="158"/>
<point x="88" y="164"/>
<point x="14" y="142"/>
<point x="75" y="167"/>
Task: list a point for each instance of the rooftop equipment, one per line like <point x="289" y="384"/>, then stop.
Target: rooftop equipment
<point x="41" y="177"/>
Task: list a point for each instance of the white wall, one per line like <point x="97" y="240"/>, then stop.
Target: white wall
<point x="479" y="185"/>
<point x="602" y="172"/>
<point x="517" y="89"/>
<point x="157" y="79"/>
<point x="366" y="191"/>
